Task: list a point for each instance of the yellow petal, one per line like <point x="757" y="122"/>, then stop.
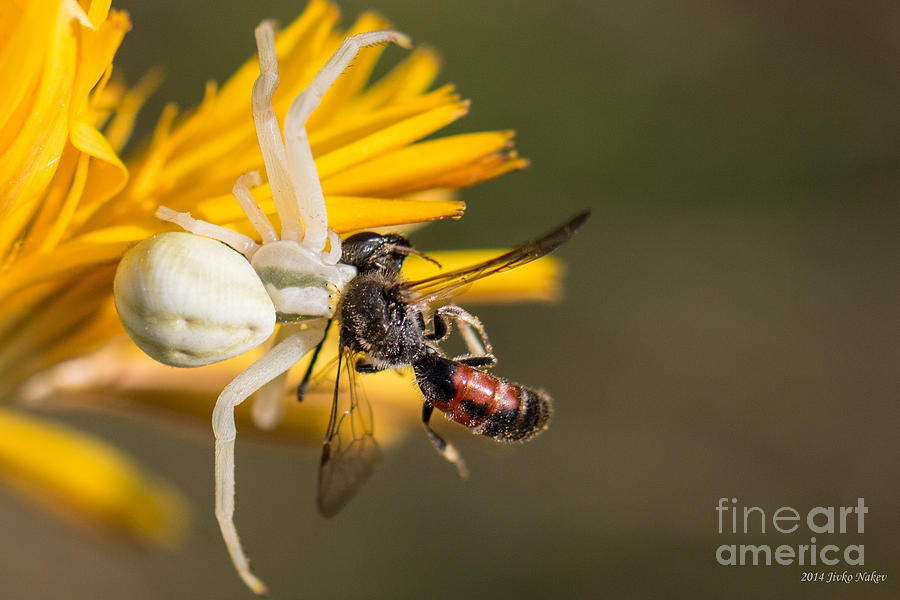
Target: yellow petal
<point x="120" y="128"/>
<point x="414" y="167"/>
<point x="347" y="143"/>
<point x="32" y="146"/>
<point x="357" y="125"/>
<point x="409" y="79"/>
<point x="484" y="169"/>
<point x="97" y="48"/>
<point x="304" y="34"/>
<point x="84" y="479"/>
<point x="89" y="140"/>
<point x="353" y="214"/>
<point x="345" y="213"/>
<point x="50" y="236"/>
<point x="352" y="80"/>
<point x="390" y="138"/>
<point x="29" y="336"/>
<point x="22" y="54"/>
<point x="71" y="169"/>
<point x="97" y="247"/>
<point x="98" y="10"/>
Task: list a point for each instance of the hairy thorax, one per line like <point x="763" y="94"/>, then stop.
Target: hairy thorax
<point x="375" y="321"/>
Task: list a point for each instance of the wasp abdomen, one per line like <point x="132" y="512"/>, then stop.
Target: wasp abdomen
<point x="487" y="404"/>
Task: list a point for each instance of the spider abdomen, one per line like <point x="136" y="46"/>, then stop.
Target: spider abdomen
<point x="189" y="301"/>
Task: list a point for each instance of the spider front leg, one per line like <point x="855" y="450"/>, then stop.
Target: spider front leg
<point x="290" y="167"/>
<point x="235" y="240"/>
<point x="238" y="241"/>
<point x="277" y="360"/>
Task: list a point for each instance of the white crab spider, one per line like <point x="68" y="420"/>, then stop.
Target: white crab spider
<point x="187" y="300"/>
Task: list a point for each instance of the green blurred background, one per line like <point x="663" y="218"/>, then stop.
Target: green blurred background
<point x="730" y="327"/>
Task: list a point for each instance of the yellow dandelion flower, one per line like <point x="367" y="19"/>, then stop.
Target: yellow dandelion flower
<point x="71" y="208"/>
<point x="55" y="58"/>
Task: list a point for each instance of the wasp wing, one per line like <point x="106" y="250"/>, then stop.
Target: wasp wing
<point x="445" y="285"/>
<point x="350" y="453"/>
<point x="343" y="472"/>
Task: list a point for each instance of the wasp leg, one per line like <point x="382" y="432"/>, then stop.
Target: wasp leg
<point x="444" y="448"/>
<point x="478" y="362"/>
<point x="301" y="389"/>
<point x="481" y="353"/>
<point x="440" y="329"/>
<point x="363" y="366"/>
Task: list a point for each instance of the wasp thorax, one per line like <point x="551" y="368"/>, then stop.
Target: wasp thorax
<point x="189" y="301"/>
<point x="374" y="320"/>
<point x="299" y="282"/>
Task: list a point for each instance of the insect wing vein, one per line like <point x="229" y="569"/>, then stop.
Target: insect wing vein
<point x="343" y="473"/>
<point x="350" y="453"/>
<point x="446" y="285"/>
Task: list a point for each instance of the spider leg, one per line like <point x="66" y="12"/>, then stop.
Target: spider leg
<point x="301" y="167"/>
<point x="269" y="134"/>
<point x="257" y="217"/>
<point x="277" y="360"/>
<point x="238" y="241"/>
<point x="268" y="407"/>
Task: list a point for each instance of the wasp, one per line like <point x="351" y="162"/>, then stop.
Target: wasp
<point x="388" y="322"/>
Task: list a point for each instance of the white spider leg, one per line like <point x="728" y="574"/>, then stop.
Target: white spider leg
<point x="334" y="253"/>
<point x="268" y="408"/>
<point x="277" y="360"/>
<point x="238" y="241"/>
<point x="269" y="134"/>
<point x="466" y="322"/>
<point x="257" y="217"/>
<point x="301" y="166"/>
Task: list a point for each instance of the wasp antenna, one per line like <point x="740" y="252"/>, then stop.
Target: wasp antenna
<point x="407" y="250"/>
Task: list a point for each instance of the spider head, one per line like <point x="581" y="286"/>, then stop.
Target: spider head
<point x="299" y="282"/>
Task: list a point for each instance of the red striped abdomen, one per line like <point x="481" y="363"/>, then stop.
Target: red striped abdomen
<point x="486" y="404"/>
